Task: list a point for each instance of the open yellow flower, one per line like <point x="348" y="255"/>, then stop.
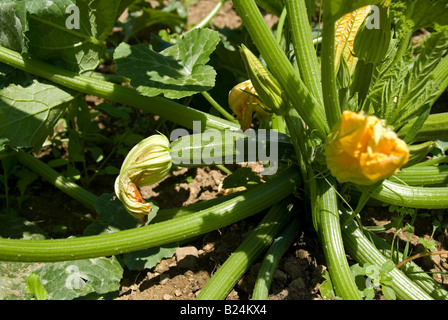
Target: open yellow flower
<point x="244" y="103"/>
<point x="362" y="150"/>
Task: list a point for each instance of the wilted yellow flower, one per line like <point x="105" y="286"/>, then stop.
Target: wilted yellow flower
<point x="147" y="163"/>
<point x="362" y="150"/>
<point x="346" y="30"/>
<point x="244" y="103"/>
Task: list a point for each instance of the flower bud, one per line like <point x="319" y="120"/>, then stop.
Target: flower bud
<point x="148" y="162"/>
<point x="264" y="82"/>
<point x="372" y="41"/>
<point x="362" y="150"/>
<point x="244" y="103"/>
<point x="346" y="29"/>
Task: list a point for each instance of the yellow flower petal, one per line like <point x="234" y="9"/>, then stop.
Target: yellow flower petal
<point x="147" y="163"/>
<point x="362" y="150"/>
<point x="244" y="103"/>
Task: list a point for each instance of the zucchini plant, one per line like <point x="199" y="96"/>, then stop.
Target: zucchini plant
<point x="345" y="112"/>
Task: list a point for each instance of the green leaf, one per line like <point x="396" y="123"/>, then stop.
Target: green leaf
<point x="334" y="9"/>
<point x="326" y="287"/>
<point x="388" y="292"/>
<point x="417" y="14"/>
<point x="28" y="114"/>
<point x="148" y="258"/>
<point x="36" y="288"/>
<point x="13" y="25"/>
<point x="112" y="217"/>
<point x="419" y="87"/>
<point x="369" y="293"/>
<point x="178" y="71"/>
<point x="387" y="267"/>
<point x="147" y="17"/>
<point x="387" y="79"/>
<point x="76" y="279"/>
<point x="76" y="40"/>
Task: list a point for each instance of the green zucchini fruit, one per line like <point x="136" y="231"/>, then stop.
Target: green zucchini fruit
<point x="214" y="147"/>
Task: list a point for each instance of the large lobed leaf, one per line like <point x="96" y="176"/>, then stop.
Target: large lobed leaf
<point x="13" y="25"/>
<point x="78" y="49"/>
<point x="29" y="113"/>
<point x="76" y="279"/>
<point x="177" y="71"/>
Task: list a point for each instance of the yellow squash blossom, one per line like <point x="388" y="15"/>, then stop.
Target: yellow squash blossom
<point x="244" y="103"/>
<point x="362" y="150"/>
<point x="346" y="30"/>
<point x="148" y="162"/>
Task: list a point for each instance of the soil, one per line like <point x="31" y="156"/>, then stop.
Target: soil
<point x="182" y="276"/>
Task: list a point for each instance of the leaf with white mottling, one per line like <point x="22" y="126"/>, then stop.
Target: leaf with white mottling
<point x="28" y="114"/>
<point x="73" y="279"/>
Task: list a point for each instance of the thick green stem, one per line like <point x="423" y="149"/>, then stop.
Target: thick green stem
<point x="412" y="197"/>
<point x="363" y="251"/>
<point x="176" y="229"/>
<point x="85" y="197"/>
<point x="422" y="175"/>
<point x="272" y="259"/>
<point x="165" y="108"/>
<point x="304" y="50"/>
<point x="329" y="89"/>
<point x="434" y="128"/>
<point x="222" y="282"/>
<point x="309" y="108"/>
<point x="326" y="220"/>
<point x="218" y="107"/>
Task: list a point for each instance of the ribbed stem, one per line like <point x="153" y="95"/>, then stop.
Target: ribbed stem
<point x="413" y="197"/>
<point x="329" y="89"/>
<point x="272" y="259"/>
<point x="326" y="219"/>
<point x="156" y="234"/>
<point x="85" y="197"/>
<point x="304" y="50"/>
<point x="434" y="128"/>
<point x="422" y="175"/>
<point x="165" y="108"/>
<point x="222" y="282"/>
<point x="308" y="107"/>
